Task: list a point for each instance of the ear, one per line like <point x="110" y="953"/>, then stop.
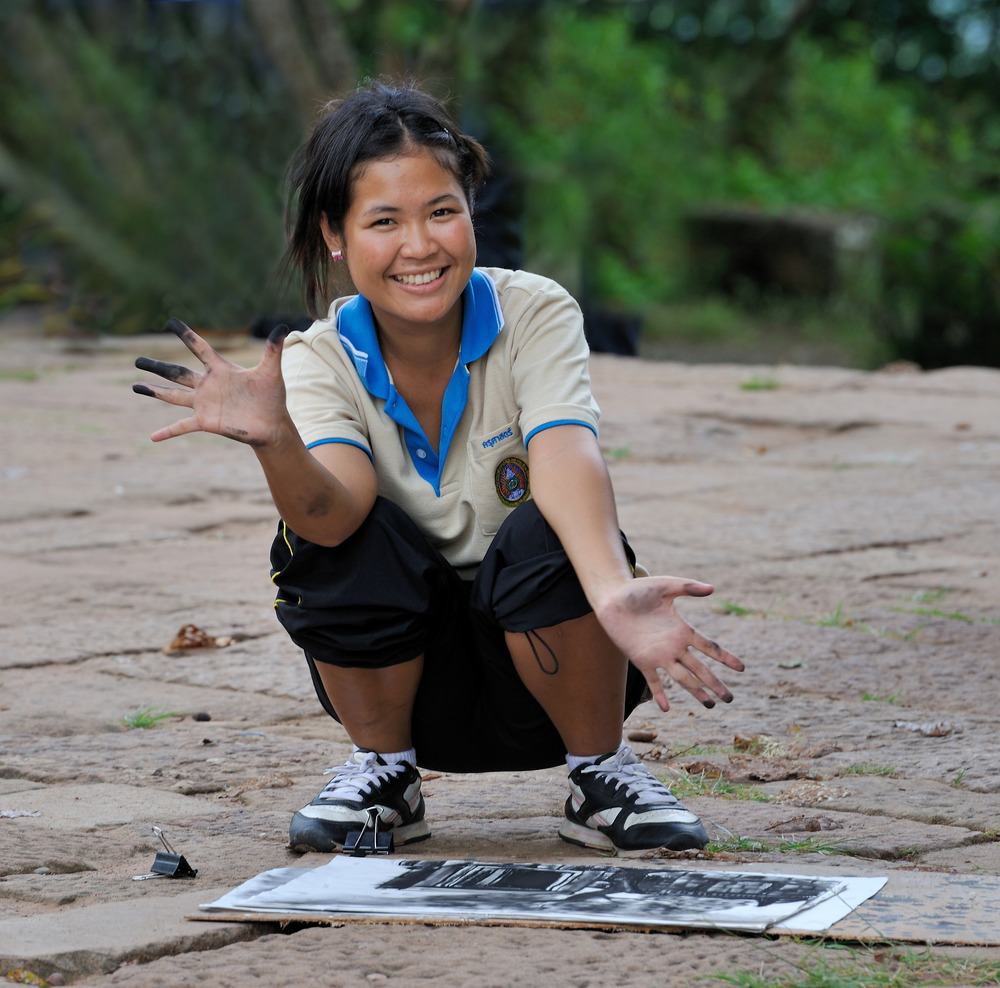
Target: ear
<point x="333" y="241"/>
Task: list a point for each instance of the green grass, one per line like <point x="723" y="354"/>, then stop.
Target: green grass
<point x="957" y="781"/>
<point x="838" y="619"/>
<point x="929" y="596"/>
<point x="759" y="384"/>
<point x="869" y="768"/>
<point x="728" y="607"/>
<point x="883" y="966"/>
<point x="23" y="374"/>
<point x="688" y="786"/>
<point x="735" y="844"/>
<point x="932" y="596"/>
<point x="145" y="717"/>
<point x="933" y="612"/>
<point x="877" y="697"/>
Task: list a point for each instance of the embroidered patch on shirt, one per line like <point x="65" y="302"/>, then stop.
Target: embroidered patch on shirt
<point x="511" y="480"/>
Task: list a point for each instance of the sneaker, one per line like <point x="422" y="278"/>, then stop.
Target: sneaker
<point x="364" y="784"/>
<point x="615" y="804"/>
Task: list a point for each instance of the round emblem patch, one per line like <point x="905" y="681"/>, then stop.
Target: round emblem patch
<point x="511" y="480"/>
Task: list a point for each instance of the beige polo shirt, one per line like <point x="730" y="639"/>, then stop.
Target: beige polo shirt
<point x="522" y="367"/>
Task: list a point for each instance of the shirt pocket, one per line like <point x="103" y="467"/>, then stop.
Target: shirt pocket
<point x="498" y="475"/>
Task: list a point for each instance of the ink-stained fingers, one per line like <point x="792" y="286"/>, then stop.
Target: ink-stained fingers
<point x="690" y="674"/>
<point x="202" y="350"/>
<point x="695" y="588"/>
<point x="175" y="396"/>
<point x="715" y="651"/>
<point x="172" y="372"/>
<point x="277" y="336"/>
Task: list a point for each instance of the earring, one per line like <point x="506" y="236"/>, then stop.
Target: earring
<point x="337" y="255"/>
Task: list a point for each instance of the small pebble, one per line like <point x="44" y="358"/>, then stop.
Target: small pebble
<point x="43" y="871"/>
<point x="202" y="715"/>
<point x="55" y="978"/>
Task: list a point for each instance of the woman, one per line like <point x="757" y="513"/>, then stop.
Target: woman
<point x="448" y="549"/>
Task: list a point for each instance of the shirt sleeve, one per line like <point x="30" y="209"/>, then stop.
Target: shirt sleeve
<point x="322" y="390"/>
<point x="550" y="363"/>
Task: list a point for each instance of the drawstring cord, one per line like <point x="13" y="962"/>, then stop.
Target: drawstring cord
<point x="534" y="652"/>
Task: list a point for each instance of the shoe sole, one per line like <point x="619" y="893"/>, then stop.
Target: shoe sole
<point x="582" y="836"/>
<point x="409" y="834"/>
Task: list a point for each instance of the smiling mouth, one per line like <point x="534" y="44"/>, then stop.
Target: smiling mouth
<point x="418" y="279"/>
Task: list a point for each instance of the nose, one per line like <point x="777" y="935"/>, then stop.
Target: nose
<point x="418" y="241"/>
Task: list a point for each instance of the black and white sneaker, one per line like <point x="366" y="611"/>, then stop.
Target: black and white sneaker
<point x="365" y="784"/>
<point x="615" y="804"/>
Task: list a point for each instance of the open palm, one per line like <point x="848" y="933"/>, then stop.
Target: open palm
<point x="640" y="617"/>
<point x="242" y="403"/>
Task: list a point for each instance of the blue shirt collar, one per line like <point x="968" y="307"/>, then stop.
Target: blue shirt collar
<point x="482" y="320"/>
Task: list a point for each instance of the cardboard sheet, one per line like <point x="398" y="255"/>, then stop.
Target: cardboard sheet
<point x="395" y="889"/>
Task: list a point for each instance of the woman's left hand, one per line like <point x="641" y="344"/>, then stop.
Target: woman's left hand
<point x="640" y="618"/>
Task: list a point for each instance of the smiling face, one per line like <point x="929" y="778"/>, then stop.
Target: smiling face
<point x="408" y="243"/>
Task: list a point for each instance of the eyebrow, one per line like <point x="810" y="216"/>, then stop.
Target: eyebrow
<point x="437" y="200"/>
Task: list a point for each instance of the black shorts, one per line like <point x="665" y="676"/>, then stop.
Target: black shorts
<point x="386" y="596"/>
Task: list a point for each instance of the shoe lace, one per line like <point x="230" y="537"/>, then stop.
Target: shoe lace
<point x="355" y="780"/>
<point x="626" y="770"/>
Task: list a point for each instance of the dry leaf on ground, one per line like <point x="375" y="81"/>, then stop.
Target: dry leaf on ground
<point x="191" y="636"/>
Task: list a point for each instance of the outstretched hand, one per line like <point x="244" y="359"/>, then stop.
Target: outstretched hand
<point x="641" y="619"/>
<point x="241" y="403"/>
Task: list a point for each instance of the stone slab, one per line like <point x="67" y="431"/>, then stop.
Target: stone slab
<point x="74" y="807"/>
<point x="100" y="938"/>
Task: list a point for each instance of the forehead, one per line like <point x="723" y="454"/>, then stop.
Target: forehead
<point x="416" y="177"/>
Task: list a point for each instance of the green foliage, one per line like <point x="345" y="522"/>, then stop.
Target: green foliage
<point x="140" y="167"/>
<point x="142" y="148"/>
<point x="607" y="135"/>
<point x="622" y="136"/>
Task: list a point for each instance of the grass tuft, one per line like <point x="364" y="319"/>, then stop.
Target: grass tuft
<point x="147" y="717"/>
<point x="868" y="768"/>
<point x="882" y="966"/>
<point x="759" y="384"/>
<point x="688" y="786"/>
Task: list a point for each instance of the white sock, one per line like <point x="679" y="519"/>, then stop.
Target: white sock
<point x="410" y="755"/>
<point x="575" y="761"/>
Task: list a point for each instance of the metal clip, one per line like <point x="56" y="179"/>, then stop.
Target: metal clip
<point x="167" y="863"/>
<point x="369" y="840"/>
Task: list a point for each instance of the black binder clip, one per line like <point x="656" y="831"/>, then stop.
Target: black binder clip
<point x="369" y="840"/>
<point x="168" y="863"/>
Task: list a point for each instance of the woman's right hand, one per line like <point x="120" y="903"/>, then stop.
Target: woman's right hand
<point x="242" y="403"/>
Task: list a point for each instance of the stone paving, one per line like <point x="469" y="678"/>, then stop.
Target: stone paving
<point x="847" y="520"/>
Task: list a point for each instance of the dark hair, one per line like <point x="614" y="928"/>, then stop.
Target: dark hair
<point x="379" y="120"/>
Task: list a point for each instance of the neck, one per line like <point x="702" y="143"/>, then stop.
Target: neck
<point x="426" y="347"/>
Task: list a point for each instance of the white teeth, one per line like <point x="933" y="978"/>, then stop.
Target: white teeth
<point x="418" y="279"/>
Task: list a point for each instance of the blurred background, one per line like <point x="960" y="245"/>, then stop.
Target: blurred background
<point x="810" y="181"/>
